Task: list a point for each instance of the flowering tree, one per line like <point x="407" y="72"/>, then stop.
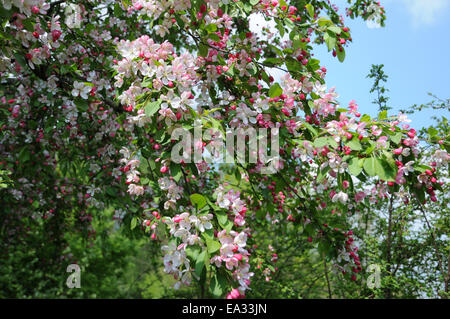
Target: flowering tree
<point x="94" y="94"/>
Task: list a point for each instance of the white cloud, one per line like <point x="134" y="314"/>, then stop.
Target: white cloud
<point x="425" y="11"/>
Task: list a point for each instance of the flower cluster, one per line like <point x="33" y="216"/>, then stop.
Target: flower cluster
<point x="231" y="200"/>
<point x="131" y="164"/>
<point x="235" y="257"/>
<point x="348" y="259"/>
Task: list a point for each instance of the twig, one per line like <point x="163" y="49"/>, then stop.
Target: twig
<point x="326" y="276"/>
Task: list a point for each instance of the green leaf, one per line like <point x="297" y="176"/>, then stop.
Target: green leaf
<point x="334" y="29"/>
<point x="208" y="234"/>
<point x="341" y="55"/>
<point x="253" y="71"/>
<point x="324" y="247"/>
<point x="310" y="128"/>
<point x="311" y="103"/>
<point x="321" y="142"/>
<point x="5" y="14"/>
<point x="330" y="41"/>
<point x="388" y="173"/>
<point x="143" y="166"/>
<point x="355" y="166"/>
<point x="397" y="138"/>
<point x="293" y="65"/>
<point x="213" y="245"/>
<point x="21" y="60"/>
<point x="332" y="142"/>
<point x="314" y="64"/>
<point x="247" y="7"/>
<point x="275" y="90"/>
<point x="179" y="21"/>
<point x="322" y="173"/>
<point x="324" y="22"/>
<point x="211" y="28"/>
<point x="175" y="171"/>
<point x="289" y="23"/>
<point x="237" y="174"/>
<point x="272" y="61"/>
<point x="110" y="191"/>
<point x="223" y="220"/>
<point x="422" y="168"/>
<point x="152" y="107"/>
<point x="310" y="9"/>
<point x="354" y="144"/>
<point x="280" y="28"/>
<point x="214" y="37"/>
<point x="192" y="252"/>
<point x="24" y="155"/>
<point x="420" y="194"/>
<point x="198" y="200"/>
<point x="382" y="116"/>
<point x="82" y="105"/>
<point x="203" y="50"/>
<point x="377" y="167"/>
<point x="282" y="3"/>
<point x="218" y="285"/>
<point x="260" y="213"/>
<point x="200" y="263"/>
<point x="117" y="10"/>
<point x="370" y="149"/>
<point x="325" y="141"/>
<point x="297" y="43"/>
<point x="365" y="118"/>
<point x="432" y="131"/>
<point x="133" y="224"/>
<point x="372" y="165"/>
<point x="28" y="25"/>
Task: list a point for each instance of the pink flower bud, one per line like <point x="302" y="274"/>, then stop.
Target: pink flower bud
<point x="164" y="169"/>
<point x="177" y="219"/>
<point x="235" y="293"/>
<point x="56" y="34"/>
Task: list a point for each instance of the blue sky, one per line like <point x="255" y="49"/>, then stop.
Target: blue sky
<point x="415" y="49"/>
